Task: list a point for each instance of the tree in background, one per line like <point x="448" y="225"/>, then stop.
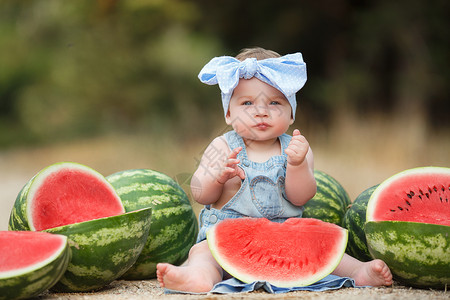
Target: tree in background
<point x="91" y="67"/>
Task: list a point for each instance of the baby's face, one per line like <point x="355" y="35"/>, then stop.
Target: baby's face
<point x="258" y="111"/>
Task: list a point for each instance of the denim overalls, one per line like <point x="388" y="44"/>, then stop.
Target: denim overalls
<point x="262" y="193"/>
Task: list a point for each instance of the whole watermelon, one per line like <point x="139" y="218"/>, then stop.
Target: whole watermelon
<point x="330" y="202"/>
<point x="174" y="225"/>
<point x="354" y="221"/>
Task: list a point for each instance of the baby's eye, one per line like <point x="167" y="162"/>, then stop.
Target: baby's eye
<point x="247" y="103"/>
<point x="274" y="103"/>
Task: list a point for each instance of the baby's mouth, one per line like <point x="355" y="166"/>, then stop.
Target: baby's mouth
<point x="262" y="126"/>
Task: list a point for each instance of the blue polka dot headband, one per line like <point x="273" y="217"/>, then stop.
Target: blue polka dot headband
<point x="286" y="73"/>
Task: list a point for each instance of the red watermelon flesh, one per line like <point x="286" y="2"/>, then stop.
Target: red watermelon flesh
<point x="67" y="193"/>
<point x="298" y="252"/>
<point x="23" y="249"/>
<point x="415" y="195"/>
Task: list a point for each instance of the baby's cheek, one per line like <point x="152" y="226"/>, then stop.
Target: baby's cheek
<point x="241" y="129"/>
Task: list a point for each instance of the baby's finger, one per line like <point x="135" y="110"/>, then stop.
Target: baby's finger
<point x="235" y="152"/>
<point x="225" y="174"/>
<point x="294" y="156"/>
<point x="241" y="173"/>
<point x="298" y="144"/>
<point x="231" y="162"/>
<point x="299" y="139"/>
<point x="296" y="132"/>
<point x="289" y="152"/>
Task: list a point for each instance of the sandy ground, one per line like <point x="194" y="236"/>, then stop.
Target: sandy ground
<point x="149" y="289"/>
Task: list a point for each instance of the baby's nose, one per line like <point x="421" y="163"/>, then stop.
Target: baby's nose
<point x="261" y="111"/>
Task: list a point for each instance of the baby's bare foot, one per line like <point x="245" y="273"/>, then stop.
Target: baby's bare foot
<point x="182" y="278"/>
<point x="373" y="273"/>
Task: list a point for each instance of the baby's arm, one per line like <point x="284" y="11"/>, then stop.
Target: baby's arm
<point x="216" y="167"/>
<point x="300" y="182"/>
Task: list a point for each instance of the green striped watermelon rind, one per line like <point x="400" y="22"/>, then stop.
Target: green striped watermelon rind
<point x="354" y="221"/>
<point x="330" y="202"/>
<point x="21" y="217"/>
<point x="418" y="254"/>
<point x="174" y="224"/>
<point x="35" y="280"/>
<point x="17" y="219"/>
<point x="102" y="249"/>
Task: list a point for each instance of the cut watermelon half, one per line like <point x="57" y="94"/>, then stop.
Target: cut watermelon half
<point x="408" y="226"/>
<point x="298" y="252"/>
<point x="102" y="249"/>
<point x="416" y="195"/>
<point x="64" y="193"/>
<point x="31" y="262"/>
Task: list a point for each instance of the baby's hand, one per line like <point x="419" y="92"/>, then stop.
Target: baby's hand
<point x="230" y="168"/>
<point x="297" y="149"/>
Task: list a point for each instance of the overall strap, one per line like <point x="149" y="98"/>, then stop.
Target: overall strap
<point x="285" y="139"/>
<point x="234" y="140"/>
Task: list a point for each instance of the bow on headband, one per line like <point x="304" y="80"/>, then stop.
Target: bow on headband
<point x="286" y="73"/>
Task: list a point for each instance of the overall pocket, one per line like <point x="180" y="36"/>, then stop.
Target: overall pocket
<point x="267" y="196"/>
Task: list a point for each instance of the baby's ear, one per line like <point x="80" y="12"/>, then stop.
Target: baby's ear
<point x="228" y="118"/>
<point x="292" y="120"/>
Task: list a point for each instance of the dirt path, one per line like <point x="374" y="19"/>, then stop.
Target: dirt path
<point x="149" y="289"/>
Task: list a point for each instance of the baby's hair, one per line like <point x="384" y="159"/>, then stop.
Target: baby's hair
<point x="256" y="52"/>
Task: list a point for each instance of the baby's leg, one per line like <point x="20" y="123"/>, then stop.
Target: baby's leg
<point x="372" y="273"/>
<point x="199" y="274"/>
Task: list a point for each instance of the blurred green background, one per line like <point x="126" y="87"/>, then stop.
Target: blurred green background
<point x="113" y="84"/>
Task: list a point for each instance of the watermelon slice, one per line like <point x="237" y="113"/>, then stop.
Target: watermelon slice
<point x="30" y="262"/>
<point x="416" y="195"/>
<point x="64" y="193"/>
<point x="298" y="252"/>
